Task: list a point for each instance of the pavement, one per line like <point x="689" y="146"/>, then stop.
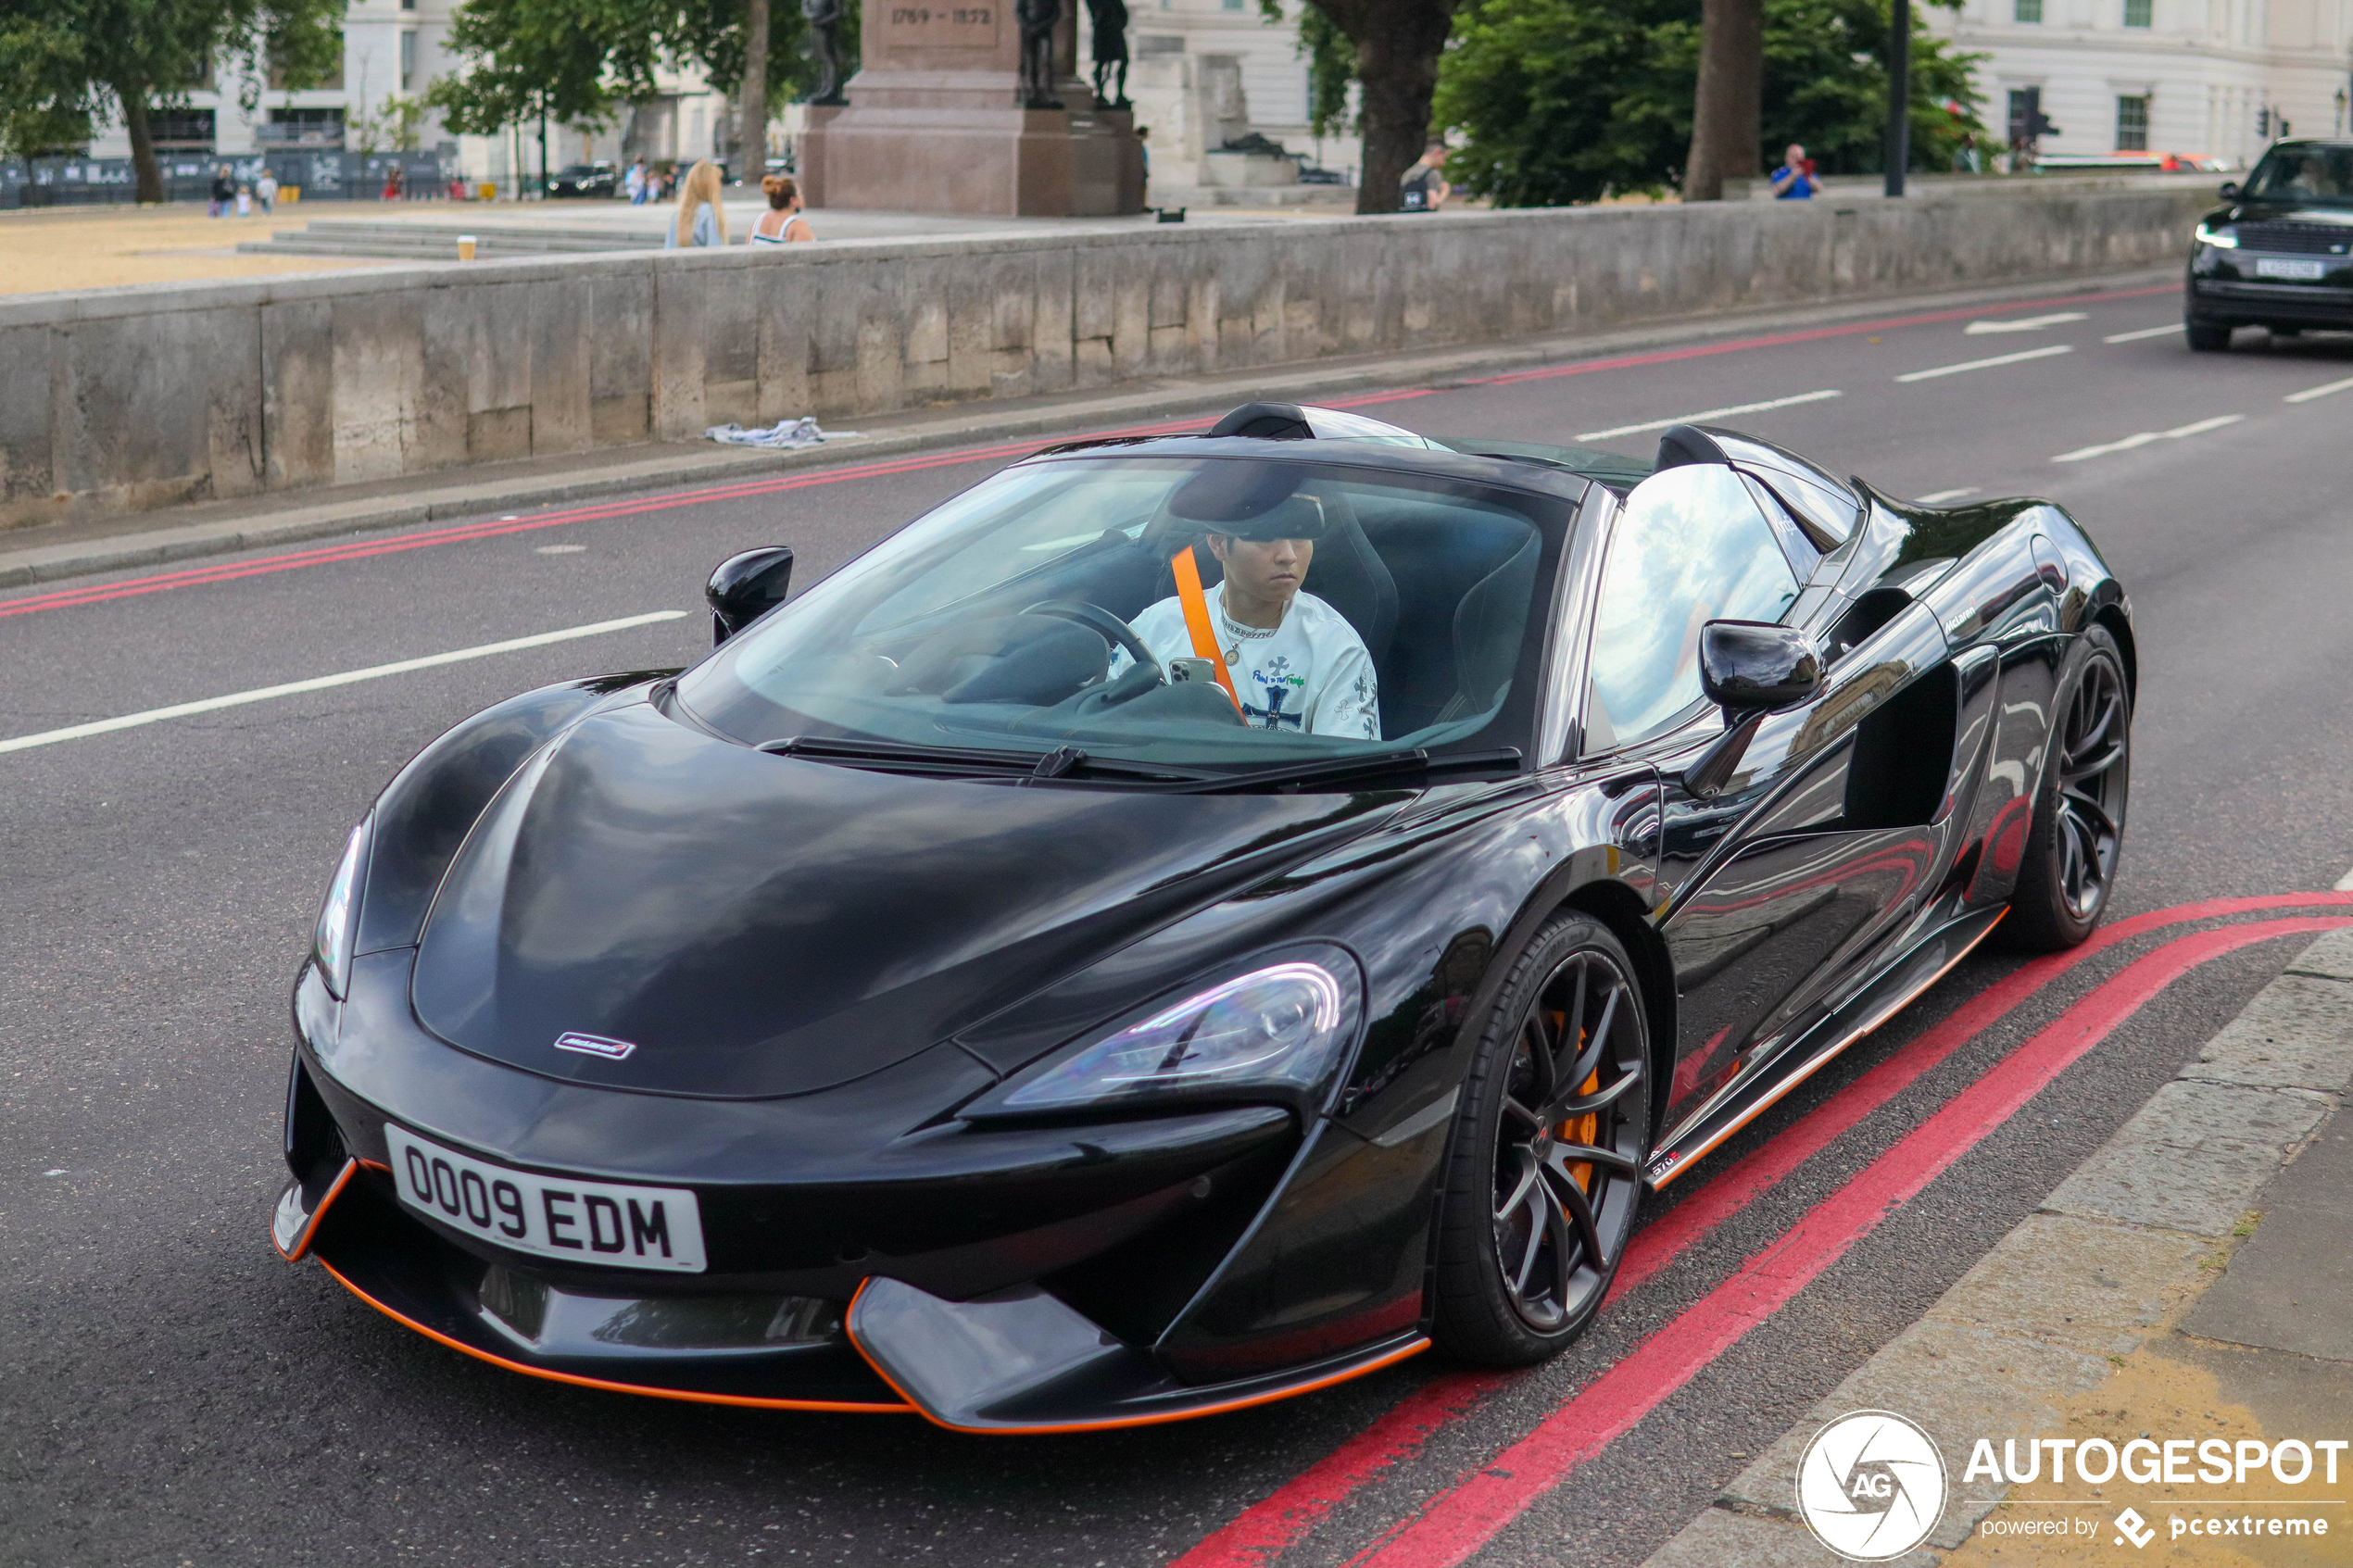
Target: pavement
<point x="171" y="1394"/>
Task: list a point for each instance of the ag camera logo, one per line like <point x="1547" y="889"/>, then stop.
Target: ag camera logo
<point x="1871" y="1486"/>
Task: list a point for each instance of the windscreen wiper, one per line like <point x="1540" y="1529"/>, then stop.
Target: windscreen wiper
<point x="1358" y="770"/>
<point x="958" y="761"/>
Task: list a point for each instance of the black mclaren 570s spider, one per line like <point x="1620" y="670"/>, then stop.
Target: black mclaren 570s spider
<point x="942" y="999"/>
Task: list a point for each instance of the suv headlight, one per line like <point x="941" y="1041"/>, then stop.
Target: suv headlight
<point x="2224" y="238"/>
<point x="1278" y="1031"/>
<point x="331" y="943"/>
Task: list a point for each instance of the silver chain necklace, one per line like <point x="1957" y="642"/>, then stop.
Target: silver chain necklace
<point x="1240" y="633"/>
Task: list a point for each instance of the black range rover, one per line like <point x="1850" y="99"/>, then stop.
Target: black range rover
<point x="2281" y="254"/>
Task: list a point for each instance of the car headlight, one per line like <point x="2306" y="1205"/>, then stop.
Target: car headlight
<point x="1280" y="1029"/>
<point x="2224" y="238"/>
<point x="330" y="944"/>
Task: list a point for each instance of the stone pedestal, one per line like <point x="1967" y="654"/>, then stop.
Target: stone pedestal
<point x="936" y="123"/>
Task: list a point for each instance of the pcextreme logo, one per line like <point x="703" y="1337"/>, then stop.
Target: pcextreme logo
<point x="1871" y="1486"/>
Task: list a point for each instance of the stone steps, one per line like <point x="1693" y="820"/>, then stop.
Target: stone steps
<point x="438" y="241"/>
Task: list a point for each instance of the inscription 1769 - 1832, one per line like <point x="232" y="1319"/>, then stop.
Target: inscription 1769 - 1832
<point x="946" y="25"/>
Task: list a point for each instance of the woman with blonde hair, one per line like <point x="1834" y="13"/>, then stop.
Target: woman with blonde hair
<point x="699" y="220"/>
<point x="782" y="223"/>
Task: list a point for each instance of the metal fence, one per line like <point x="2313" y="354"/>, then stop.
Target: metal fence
<point x="320" y="174"/>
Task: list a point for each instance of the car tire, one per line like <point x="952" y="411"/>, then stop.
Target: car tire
<point x="1530" y="1239"/>
<point x="2069" y="867"/>
<point x="2207" y="337"/>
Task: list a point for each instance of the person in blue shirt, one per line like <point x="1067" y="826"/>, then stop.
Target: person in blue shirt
<point x="700" y="221"/>
<point x="1794" y="180"/>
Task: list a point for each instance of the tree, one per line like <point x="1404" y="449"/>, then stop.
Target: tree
<point x="63" y="61"/>
<point x="1728" y="104"/>
<point x="1573" y="100"/>
<point x="1390" y="47"/>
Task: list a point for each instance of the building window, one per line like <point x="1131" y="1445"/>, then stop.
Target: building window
<point x="408" y="61"/>
<point x="2136" y="12"/>
<point x="180" y="130"/>
<point x="2132" y="125"/>
<point x="302" y="128"/>
<point x="2027" y="10"/>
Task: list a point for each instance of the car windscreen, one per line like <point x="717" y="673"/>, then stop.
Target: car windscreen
<point x="2314" y="176"/>
<point x="1355" y="610"/>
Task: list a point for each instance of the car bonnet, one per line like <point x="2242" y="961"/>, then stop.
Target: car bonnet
<point x="748" y="924"/>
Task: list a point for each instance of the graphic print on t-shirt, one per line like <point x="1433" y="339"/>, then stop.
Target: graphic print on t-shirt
<point x="1310" y="675"/>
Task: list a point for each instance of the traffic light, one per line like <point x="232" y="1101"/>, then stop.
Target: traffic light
<point x="2027" y="123"/>
<point x="2263" y="122"/>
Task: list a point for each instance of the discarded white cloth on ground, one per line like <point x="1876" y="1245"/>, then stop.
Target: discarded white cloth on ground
<point x="784" y="432"/>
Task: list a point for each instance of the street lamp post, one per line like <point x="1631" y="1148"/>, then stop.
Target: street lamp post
<point x="1899" y="95"/>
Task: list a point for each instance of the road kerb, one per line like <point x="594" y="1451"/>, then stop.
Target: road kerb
<point x="2119" y="1252"/>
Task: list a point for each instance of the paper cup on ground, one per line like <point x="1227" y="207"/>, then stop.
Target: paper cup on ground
<point x="465" y="248"/>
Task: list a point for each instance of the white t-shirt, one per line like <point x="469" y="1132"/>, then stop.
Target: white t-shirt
<point x="1309" y="673"/>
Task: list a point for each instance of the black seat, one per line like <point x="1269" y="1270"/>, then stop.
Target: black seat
<point x="1488" y="625"/>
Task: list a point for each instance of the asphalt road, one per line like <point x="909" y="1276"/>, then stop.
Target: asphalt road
<point x="171" y="1394"/>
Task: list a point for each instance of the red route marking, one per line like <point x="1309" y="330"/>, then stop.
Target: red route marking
<point x="360" y="550"/>
<point x="1456" y="1523"/>
<point x="1264" y="1530"/>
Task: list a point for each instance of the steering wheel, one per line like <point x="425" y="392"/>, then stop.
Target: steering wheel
<point x="1109" y="626"/>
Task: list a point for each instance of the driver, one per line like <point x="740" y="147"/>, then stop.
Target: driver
<point x="1295" y="661"/>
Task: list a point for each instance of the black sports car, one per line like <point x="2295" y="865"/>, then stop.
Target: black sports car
<point x="585" y="180"/>
<point x="2280" y="253"/>
<point x="939" y="999"/>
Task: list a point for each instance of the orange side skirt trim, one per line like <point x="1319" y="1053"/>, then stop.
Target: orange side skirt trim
<point x="1162" y="1419"/>
<point x="841" y="1406"/>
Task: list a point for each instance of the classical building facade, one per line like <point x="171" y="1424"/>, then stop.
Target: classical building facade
<point x="2214" y="77"/>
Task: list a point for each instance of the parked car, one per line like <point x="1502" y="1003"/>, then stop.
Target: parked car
<point x="930" y="1003"/>
<point x="585" y="180"/>
<point x="2279" y="254"/>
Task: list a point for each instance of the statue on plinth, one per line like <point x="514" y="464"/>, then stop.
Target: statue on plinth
<point x="1038" y="19"/>
<point x="1110" y="20"/>
<point x="823" y="18"/>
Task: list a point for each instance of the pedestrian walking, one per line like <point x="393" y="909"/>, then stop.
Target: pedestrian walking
<point x="782" y="223"/>
<point x="1793" y="181"/>
<point x="635" y="183"/>
<point x="392" y="184"/>
<point x="699" y="220"/>
<point x="265" y="191"/>
<point x="224" y="191"/>
<point x="1423" y="187"/>
<point x="244" y="202"/>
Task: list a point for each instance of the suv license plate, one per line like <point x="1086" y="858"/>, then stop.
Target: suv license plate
<point x="2302" y="272"/>
<point x="594" y="1224"/>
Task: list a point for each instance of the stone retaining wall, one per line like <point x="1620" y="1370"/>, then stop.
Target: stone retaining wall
<point x="126" y="400"/>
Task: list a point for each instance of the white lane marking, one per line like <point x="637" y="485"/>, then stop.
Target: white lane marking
<point x="1989" y="364"/>
<point x="1706" y="414"/>
<point x="2345" y="883"/>
<point x="2023" y="323"/>
<point x="320" y="682"/>
<point x="2310" y="393"/>
<point x="1938" y="497"/>
<point x="558" y="549"/>
<point x="2170" y="329"/>
<point x="2144" y="437"/>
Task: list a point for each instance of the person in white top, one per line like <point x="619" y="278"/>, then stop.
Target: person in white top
<point x="1295" y="661"/>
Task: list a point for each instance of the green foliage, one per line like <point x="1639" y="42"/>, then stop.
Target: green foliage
<point x="1331" y="65"/>
<point x="582" y="62"/>
<point x="1557" y="101"/>
<point x="63" y="61"/>
<point x="399" y="126"/>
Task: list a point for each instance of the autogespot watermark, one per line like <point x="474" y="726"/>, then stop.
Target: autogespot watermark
<point x="1871" y="1486"/>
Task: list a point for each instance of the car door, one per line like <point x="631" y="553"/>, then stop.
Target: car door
<point x="1782" y="866"/>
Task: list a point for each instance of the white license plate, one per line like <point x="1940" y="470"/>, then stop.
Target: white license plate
<point x="598" y="1225"/>
<point x="2302" y="272"/>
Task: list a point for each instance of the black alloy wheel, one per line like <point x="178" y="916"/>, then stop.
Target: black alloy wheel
<point x="2068" y="869"/>
<point x="1545" y="1171"/>
<point x="2207" y="337"/>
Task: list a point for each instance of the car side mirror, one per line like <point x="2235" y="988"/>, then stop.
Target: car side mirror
<point x="2230" y="190"/>
<point x="1749" y="666"/>
<point x="1749" y="669"/>
<point x="747" y="588"/>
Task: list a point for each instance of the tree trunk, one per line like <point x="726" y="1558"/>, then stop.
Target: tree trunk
<point x="1727" y="113"/>
<point x="1398" y="43"/>
<point x="751" y="118"/>
<point x="143" y="142"/>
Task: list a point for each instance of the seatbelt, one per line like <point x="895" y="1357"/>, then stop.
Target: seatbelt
<point x="1196" y="607"/>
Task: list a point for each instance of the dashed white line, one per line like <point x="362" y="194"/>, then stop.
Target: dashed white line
<point x="1989" y="364"/>
<point x="2144" y="437"/>
<point x="320" y="682"/>
<point x="1707" y="414"/>
<point x="2310" y="393"/>
<point x="1938" y="497"/>
<point x="2023" y="323"/>
<point x="2170" y="329"/>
